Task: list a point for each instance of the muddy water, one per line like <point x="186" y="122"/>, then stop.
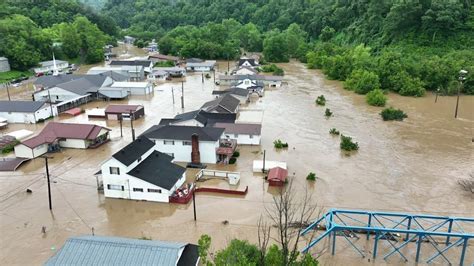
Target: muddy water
<point x="408" y="166"/>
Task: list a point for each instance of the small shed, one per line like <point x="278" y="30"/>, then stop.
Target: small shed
<point x="277" y="176"/>
<point x="123" y="111"/>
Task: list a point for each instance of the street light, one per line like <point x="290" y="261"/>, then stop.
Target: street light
<point x="462" y="77"/>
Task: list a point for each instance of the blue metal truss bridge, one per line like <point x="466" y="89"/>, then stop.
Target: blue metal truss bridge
<point x="427" y="238"/>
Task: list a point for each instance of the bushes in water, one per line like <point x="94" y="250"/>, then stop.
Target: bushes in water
<point x="328" y="112"/>
<point x="393" y="114"/>
<point x="232" y="160"/>
<point x="277" y="71"/>
<point x="236" y="154"/>
<point x="10" y="147"/>
<point x="321" y="100"/>
<point x="347" y="144"/>
<point x="208" y="76"/>
<point x="164" y="64"/>
<point x="280" y="144"/>
<point x="334" y="131"/>
<point x="311" y="176"/>
<point x="376" y="98"/>
<point x="362" y="81"/>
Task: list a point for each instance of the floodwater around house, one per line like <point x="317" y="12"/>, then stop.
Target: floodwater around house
<point x="410" y="166"/>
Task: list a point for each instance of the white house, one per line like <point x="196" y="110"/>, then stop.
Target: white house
<point x="267" y="80"/>
<point x="176" y="141"/>
<point x="245" y="70"/>
<point x="27" y="112"/>
<point x="48" y="66"/>
<point x="133" y="73"/>
<point x="247" y="62"/>
<point x="205" y="66"/>
<point x="62" y="135"/>
<point x="157" y="75"/>
<point x="140" y="172"/>
<point x="244" y="134"/>
<point x="133" y="88"/>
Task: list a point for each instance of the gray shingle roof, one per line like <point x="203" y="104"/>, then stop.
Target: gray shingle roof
<point x="183" y="133"/>
<point x="133" y="151"/>
<point x="85" y="85"/>
<point x="97" y="250"/>
<point x="20" y="106"/>
<point x="144" y="63"/>
<point x="224" y="104"/>
<point x="51" y="81"/>
<point x="158" y="170"/>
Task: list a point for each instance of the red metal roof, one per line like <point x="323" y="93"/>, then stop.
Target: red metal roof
<point x="73" y="111"/>
<point x="55" y="130"/>
<point x="277" y="174"/>
<point x="122" y="108"/>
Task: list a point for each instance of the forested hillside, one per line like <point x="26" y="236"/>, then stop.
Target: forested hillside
<point x="405" y="46"/>
<point x="32" y="30"/>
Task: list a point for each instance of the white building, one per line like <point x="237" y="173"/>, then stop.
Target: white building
<point x="244" y="134"/>
<point x="247" y="62"/>
<point x="133" y="73"/>
<point x="27" y="112"/>
<point x="4" y="65"/>
<point x="245" y="70"/>
<point x="48" y="66"/>
<point x="55" y="136"/>
<point x="133" y="88"/>
<point x="176" y="141"/>
<point x="140" y="172"/>
<point x="267" y="80"/>
<point x="158" y="75"/>
<point x="205" y="66"/>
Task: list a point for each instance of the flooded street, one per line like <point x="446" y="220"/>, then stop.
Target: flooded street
<point x="409" y="166"/>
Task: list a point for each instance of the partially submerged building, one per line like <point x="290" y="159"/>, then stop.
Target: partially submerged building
<point x="242" y="95"/>
<point x="123" y="111"/>
<point x="244" y="134"/>
<point x="177" y="141"/>
<point x="101" y="250"/>
<point x="199" y="118"/>
<point x="51" y="65"/>
<point x="55" y="136"/>
<point x="140" y="172"/>
<point x="146" y="64"/>
<point x="224" y="105"/>
<point x="205" y="66"/>
<point x="267" y="80"/>
<point x="27" y="112"/>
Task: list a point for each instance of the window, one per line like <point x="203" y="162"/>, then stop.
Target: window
<point x="186" y="143"/>
<point x="115" y="187"/>
<point x="236" y="135"/>
<point x="168" y="142"/>
<point x="170" y="154"/>
<point x="135" y="189"/>
<point x="57" y="97"/>
<point x="152" y="190"/>
<point x="139" y="159"/>
<point x="251" y="136"/>
<point x="114" y="170"/>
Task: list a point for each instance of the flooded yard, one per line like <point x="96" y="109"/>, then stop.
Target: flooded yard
<point x="409" y="166"/>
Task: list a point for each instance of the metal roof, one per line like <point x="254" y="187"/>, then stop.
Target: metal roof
<point x="158" y="170"/>
<point x="183" y="133"/>
<point x="20" y="106"/>
<point x="98" y="250"/>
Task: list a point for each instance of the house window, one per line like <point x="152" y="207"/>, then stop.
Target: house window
<point x="139" y="159"/>
<point x="251" y="136"/>
<point x="135" y="189"/>
<point x="114" y="170"/>
<point x="115" y="187"/>
<point x="152" y="190"/>
<point x="186" y="143"/>
<point x="236" y="135"/>
<point x="57" y="97"/>
<point x="168" y="142"/>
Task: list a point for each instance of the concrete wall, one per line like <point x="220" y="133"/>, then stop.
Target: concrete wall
<point x="182" y="153"/>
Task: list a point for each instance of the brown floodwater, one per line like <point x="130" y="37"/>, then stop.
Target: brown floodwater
<point x="410" y="166"/>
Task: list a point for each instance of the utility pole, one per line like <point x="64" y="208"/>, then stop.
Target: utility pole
<point x="131" y="124"/>
<point x="194" y="205"/>
<point x="214" y="74"/>
<point x="263" y="169"/>
<point x="121" y="131"/>
<point x="50" y="103"/>
<point x="202" y="77"/>
<point x="182" y="94"/>
<point x="437" y="92"/>
<point x="8" y="90"/>
<point x="462" y="77"/>
<point x="49" y="183"/>
<point x="172" y="94"/>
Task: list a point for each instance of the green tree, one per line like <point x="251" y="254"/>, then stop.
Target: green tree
<point x="376" y="98"/>
<point x="362" y="81"/>
<point x="275" y="47"/>
<point x="204" y="243"/>
<point x="92" y="40"/>
<point x="327" y="34"/>
<point x="238" y="252"/>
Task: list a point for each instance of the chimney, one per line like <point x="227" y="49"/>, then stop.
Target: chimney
<point x="195" y="155"/>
